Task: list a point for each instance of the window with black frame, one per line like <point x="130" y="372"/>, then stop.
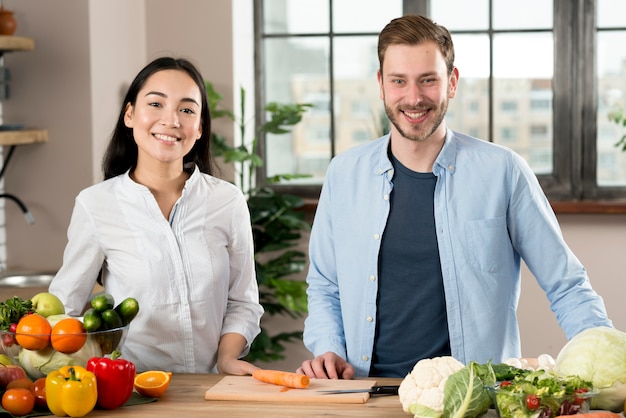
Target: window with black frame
<point x="527" y="81"/>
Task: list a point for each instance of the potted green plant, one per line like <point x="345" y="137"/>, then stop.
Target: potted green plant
<point x="277" y="222"/>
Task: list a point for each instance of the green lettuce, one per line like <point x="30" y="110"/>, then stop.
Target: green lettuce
<point x="465" y="392"/>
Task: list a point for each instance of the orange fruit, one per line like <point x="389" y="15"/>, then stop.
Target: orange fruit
<point x="18" y="401"/>
<point x="68" y="335"/>
<point x="152" y="383"/>
<point x="33" y="332"/>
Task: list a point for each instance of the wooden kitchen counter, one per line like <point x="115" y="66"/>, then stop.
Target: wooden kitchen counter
<point x="185" y="398"/>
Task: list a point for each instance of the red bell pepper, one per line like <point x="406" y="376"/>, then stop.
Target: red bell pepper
<point x="115" y="378"/>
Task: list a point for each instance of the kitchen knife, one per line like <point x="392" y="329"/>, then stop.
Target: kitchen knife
<point x="374" y="390"/>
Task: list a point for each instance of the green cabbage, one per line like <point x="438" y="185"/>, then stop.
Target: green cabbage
<point x="598" y="355"/>
<point x="38" y="363"/>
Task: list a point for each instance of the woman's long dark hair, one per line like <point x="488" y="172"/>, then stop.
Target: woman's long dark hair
<point x="121" y="153"/>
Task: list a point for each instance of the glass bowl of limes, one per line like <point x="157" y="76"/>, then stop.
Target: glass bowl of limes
<point x="41" y="344"/>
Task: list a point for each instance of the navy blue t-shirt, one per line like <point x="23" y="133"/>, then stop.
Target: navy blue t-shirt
<point x="411" y="323"/>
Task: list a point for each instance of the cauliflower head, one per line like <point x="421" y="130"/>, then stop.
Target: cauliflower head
<point x="421" y="392"/>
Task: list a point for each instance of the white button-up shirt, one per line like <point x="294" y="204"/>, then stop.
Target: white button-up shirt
<point x="193" y="275"/>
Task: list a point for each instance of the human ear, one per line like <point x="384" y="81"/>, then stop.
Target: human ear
<point x="453" y="82"/>
<point x="128" y="115"/>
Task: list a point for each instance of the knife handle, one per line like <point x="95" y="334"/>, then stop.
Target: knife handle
<point x="384" y="390"/>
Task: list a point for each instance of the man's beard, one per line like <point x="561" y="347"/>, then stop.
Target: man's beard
<point x="421" y="132"/>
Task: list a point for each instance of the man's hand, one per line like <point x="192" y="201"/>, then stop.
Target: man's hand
<point x="327" y="366"/>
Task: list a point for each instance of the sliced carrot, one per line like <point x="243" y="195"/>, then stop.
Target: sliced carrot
<point x="594" y="414"/>
<point x="277" y="377"/>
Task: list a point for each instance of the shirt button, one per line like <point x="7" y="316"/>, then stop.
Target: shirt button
<point x="450" y="167"/>
<point x="372" y="279"/>
<point x="364" y="358"/>
<point x="370" y="319"/>
<point x="386" y="197"/>
<point x="376" y="236"/>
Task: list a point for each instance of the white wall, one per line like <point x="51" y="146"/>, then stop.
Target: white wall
<point x="86" y="53"/>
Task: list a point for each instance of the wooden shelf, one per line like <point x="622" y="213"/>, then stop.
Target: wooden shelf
<point x="25" y="136"/>
<point x="16" y="43"/>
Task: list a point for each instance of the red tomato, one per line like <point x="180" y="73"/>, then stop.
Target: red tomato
<point x="578" y="400"/>
<point x="18" y="401"/>
<point x="39" y="391"/>
<point x="505" y="383"/>
<point x="532" y="402"/>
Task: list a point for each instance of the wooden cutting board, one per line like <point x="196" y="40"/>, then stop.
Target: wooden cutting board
<point x="246" y="388"/>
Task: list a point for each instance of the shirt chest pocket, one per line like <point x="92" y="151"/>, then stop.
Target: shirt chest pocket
<point x="489" y="245"/>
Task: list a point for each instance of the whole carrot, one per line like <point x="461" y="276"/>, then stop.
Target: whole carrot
<point x="277" y="377"/>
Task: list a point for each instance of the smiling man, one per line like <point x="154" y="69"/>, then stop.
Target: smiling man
<point x="419" y="235"/>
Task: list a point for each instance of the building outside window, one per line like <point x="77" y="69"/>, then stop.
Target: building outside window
<point x="526" y="81"/>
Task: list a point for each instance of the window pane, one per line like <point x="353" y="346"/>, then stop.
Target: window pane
<point x="296" y="71"/>
<point x="528" y="14"/>
<point x="359" y="110"/>
<point x="369" y="16"/>
<point x="461" y="14"/>
<point x="468" y="112"/>
<point x="295" y="16"/>
<point x="611" y="70"/>
<point x="611" y="13"/>
<point x="523" y="72"/>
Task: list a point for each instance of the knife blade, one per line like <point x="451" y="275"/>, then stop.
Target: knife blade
<point x="374" y="390"/>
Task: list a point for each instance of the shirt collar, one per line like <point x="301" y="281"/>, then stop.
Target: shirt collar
<point x="383" y="165"/>
<point x="446" y="160"/>
<point x="193" y="179"/>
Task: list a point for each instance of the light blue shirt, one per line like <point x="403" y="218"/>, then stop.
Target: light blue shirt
<point x="490" y="213"/>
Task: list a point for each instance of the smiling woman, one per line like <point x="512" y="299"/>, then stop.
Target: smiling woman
<point x="165" y="231"/>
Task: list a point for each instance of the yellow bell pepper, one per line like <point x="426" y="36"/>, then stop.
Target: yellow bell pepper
<point x="71" y="391"/>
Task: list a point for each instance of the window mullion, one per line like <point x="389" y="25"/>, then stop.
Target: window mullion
<point x="566" y="136"/>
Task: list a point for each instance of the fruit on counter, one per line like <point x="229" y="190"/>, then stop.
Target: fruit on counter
<point x="46" y="304"/>
<point x="115" y="378"/>
<point x="103" y="315"/>
<point x="33" y="332"/>
<point x="18" y="401"/>
<point x="12" y="309"/>
<point x="277" y="377"/>
<point x="112" y="321"/>
<point x="598" y="355"/>
<point x="5" y="360"/>
<point x="68" y="336"/>
<point x="153" y="383"/>
<point x="22" y="382"/>
<point x="102" y="302"/>
<point x="39" y="391"/>
<point x="38" y="363"/>
<point x="10" y="373"/>
<point x="92" y="321"/>
<point x="127" y="310"/>
<point x="72" y="391"/>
